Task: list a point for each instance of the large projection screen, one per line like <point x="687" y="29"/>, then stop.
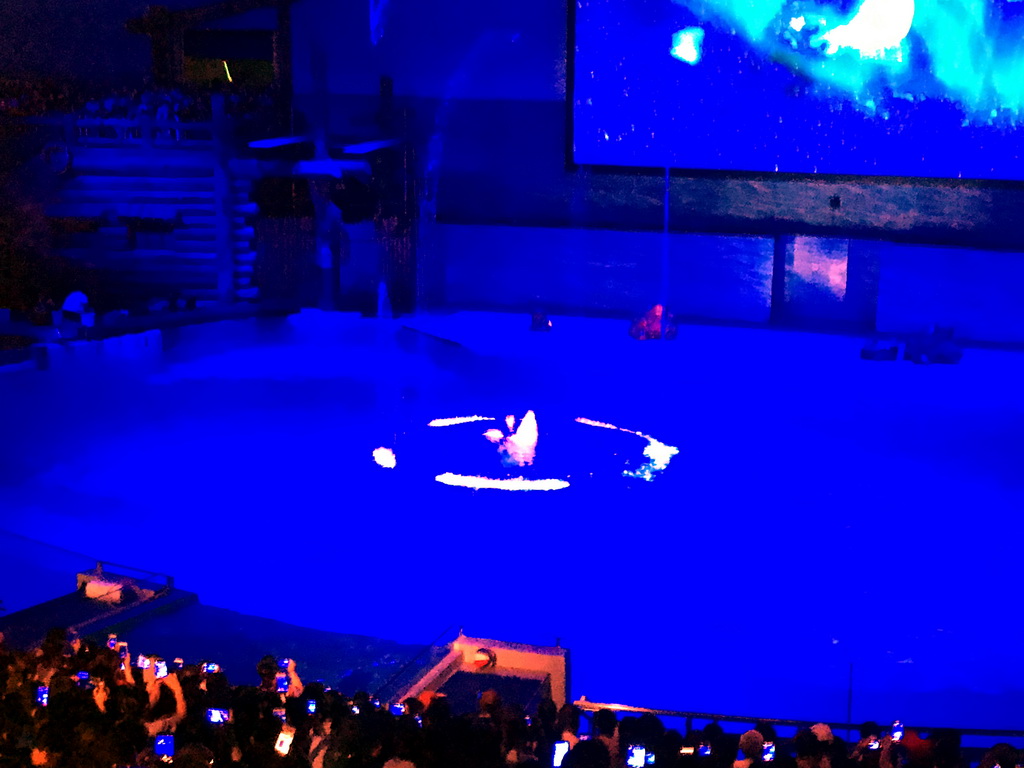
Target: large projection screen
<point x="932" y="88"/>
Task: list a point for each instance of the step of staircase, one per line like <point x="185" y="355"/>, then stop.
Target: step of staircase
<point x="160" y="253"/>
<point x="141" y="255"/>
<point x="117" y="230"/>
<point x="92" y="254"/>
<point x="176" y="185"/>
<point x="199" y="221"/>
<point x="90" y="241"/>
<point x="195" y="234"/>
<point x="138" y="196"/>
<point x="173" y="277"/>
<point x="90" y="248"/>
<point x="125" y="161"/>
<point x="166" y="283"/>
<point x="127" y="210"/>
<point x="187" y="247"/>
<point x="82" y="182"/>
<point x="203" y="294"/>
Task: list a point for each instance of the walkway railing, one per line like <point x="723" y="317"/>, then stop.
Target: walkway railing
<point x="592" y="706"/>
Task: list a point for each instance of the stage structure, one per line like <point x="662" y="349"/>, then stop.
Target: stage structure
<point x="521" y="674"/>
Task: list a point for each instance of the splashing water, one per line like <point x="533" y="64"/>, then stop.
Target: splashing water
<point x="658" y="453"/>
<point x="457" y="420"/>
<point x="517" y="445"/>
<point x="686" y="45"/>
<point x="501" y="483"/>
<point x="385" y="457"/>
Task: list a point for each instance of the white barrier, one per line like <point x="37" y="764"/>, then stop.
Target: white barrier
<point x="142" y="349"/>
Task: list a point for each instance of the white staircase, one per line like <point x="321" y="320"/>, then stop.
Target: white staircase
<point x="154" y="221"/>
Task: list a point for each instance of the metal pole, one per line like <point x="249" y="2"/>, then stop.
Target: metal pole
<point x="849" y="701"/>
<point x="663" y="300"/>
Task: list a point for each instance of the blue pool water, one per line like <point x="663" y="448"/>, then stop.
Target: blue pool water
<point x="822" y="511"/>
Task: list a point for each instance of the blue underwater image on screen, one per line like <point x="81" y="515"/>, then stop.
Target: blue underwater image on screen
<point x="932" y="88"/>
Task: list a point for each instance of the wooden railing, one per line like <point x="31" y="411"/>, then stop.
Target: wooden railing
<point x="142" y="131"/>
<point x="586" y="705"/>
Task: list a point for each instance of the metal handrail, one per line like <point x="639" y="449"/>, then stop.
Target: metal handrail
<point x="168" y="579"/>
<point x="592" y="706"/>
